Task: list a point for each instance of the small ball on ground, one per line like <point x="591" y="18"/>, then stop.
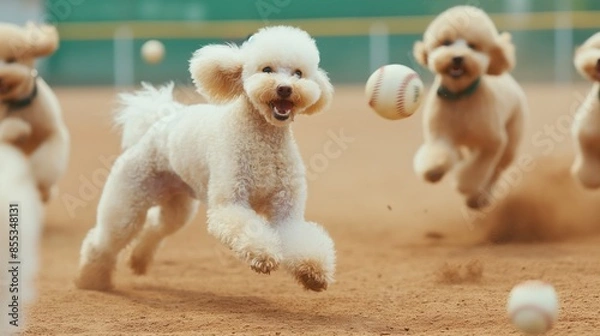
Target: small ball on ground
<point x="533" y="307"/>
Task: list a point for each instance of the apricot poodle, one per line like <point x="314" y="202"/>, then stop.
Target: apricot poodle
<point x="237" y="155"/>
<point x="473" y="116"/>
<point x="26" y="96"/>
<point x="586" y="128"/>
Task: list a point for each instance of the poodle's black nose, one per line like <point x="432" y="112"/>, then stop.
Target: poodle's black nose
<point x="284" y="91"/>
<point x="457" y="60"/>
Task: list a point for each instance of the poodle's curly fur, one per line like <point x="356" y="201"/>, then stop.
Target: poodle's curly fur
<point x="27" y="97"/>
<point x="18" y="187"/>
<point x="586" y="128"/>
<point x="239" y="157"/>
<point x="474" y="113"/>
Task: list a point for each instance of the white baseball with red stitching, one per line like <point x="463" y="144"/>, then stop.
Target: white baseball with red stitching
<point x="533" y="306"/>
<point x="394" y="91"/>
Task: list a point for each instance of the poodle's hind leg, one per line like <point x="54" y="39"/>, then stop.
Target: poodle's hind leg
<point x="308" y="254"/>
<point x="249" y="235"/>
<point x="121" y="214"/>
<point x="163" y="220"/>
<point x="434" y="159"/>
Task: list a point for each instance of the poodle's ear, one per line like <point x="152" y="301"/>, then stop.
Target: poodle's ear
<point x="576" y="56"/>
<point x="39" y="40"/>
<point x="420" y="53"/>
<point x="580" y="60"/>
<point x="217" y="72"/>
<point x="324" y="101"/>
<point x="502" y="55"/>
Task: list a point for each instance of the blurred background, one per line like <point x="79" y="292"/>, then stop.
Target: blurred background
<point x="100" y="40"/>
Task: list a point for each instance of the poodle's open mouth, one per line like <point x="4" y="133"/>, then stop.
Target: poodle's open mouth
<point x="282" y="109"/>
<point x="456" y="70"/>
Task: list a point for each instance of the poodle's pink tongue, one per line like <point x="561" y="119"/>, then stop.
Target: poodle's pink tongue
<point x="456" y="71"/>
<point x="282" y="107"/>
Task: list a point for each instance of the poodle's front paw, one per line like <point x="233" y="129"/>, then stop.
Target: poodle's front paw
<point x="587" y="174"/>
<point x="309" y="254"/>
<point x="14" y="130"/>
<point x="432" y="162"/>
<point x="248" y="235"/>
<point x="48" y="193"/>
<point x="262" y="263"/>
<point x="478" y="201"/>
<point x="435" y="175"/>
<point x="312" y="276"/>
<point x="261" y="251"/>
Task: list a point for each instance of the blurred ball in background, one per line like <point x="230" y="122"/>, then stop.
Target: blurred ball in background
<point x="153" y="51"/>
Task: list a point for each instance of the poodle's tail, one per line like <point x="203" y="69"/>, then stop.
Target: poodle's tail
<point x="141" y="109"/>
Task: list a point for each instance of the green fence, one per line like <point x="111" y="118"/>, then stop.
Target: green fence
<point x="544" y="31"/>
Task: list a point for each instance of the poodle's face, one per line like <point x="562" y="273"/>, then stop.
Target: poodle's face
<point x="279" y="78"/>
<point x="463" y="44"/>
<point x="277" y="69"/>
<point x="587" y="58"/>
<point x="19" y="47"/>
<point x="459" y="59"/>
<point x="279" y="92"/>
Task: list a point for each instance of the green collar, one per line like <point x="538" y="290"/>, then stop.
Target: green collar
<point x="444" y="93"/>
<point x="14" y="105"/>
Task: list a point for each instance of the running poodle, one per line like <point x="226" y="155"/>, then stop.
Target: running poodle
<point x="238" y="156"/>
<point x="586" y="128"/>
<point x="26" y="96"/>
<point x="474" y="113"/>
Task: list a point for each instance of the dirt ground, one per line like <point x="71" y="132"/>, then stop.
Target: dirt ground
<point x="402" y="244"/>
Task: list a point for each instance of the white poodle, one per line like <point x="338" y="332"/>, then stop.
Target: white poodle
<point x="474" y="114"/>
<point x="586" y="128"/>
<point x="21" y="216"/>
<point x="239" y="157"/>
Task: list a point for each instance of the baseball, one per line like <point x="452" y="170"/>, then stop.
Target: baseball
<point x="394" y="91"/>
<point x="533" y="306"/>
<point x="153" y="51"/>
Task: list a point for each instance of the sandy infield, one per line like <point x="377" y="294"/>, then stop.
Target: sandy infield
<point x="411" y="261"/>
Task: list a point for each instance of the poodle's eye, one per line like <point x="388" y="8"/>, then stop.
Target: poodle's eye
<point x="447" y="42"/>
<point x="267" y="69"/>
<point x="298" y="73"/>
<point x="472" y="46"/>
<point x="11" y="60"/>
